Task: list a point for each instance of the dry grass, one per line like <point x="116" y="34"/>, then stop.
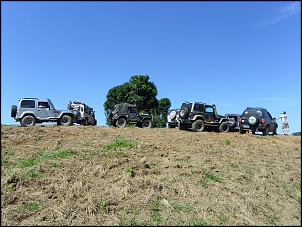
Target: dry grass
<point x="78" y="175"/>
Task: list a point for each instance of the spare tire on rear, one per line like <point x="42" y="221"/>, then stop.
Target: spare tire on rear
<point x="75" y="113"/>
<point x="14" y="111"/>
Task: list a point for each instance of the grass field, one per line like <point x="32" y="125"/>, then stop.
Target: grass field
<point x="97" y="175"/>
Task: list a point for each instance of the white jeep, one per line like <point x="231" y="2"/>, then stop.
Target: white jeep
<point x="83" y="114"/>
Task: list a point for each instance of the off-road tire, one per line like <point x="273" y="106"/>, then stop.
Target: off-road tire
<point x="183" y="112"/>
<point x="66" y="120"/>
<point x="198" y="126"/>
<point x="75" y="113"/>
<point x="253" y="120"/>
<point x="85" y="122"/>
<point x="182" y="126"/>
<point x="241" y="131"/>
<point x="275" y="132"/>
<point x="231" y="122"/>
<point x="224" y="127"/>
<point x="13" y="111"/>
<point x="121" y="122"/>
<point x="95" y="122"/>
<point x="146" y="123"/>
<point x="266" y="131"/>
<point x="28" y="121"/>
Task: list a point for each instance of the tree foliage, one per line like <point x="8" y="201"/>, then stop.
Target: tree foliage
<point x="141" y="92"/>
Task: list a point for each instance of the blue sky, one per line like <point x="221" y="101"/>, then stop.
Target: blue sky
<point x="233" y="54"/>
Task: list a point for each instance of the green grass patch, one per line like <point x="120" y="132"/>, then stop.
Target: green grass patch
<point x="60" y="154"/>
<point x="120" y="142"/>
<point x="200" y="222"/>
<point x="28" y="162"/>
<point x="33" y="206"/>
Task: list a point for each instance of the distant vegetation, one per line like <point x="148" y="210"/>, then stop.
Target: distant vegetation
<point x="296" y="134"/>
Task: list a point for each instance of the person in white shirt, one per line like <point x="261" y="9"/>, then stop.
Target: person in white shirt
<point x="285" y="125"/>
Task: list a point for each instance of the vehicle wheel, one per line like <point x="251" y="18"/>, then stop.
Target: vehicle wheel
<point x="275" y="132"/>
<point x="253" y="132"/>
<point x="183" y="112"/>
<point x="266" y="131"/>
<point x="182" y="126"/>
<point x="58" y="122"/>
<point x="75" y="113"/>
<point x="28" y="121"/>
<point x="86" y="122"/>
<point x="113" y="123"/>
<point x="13" y="111"/>
<point x="95" y="122"/>
<point x="198" y="126"/>
<point x="241" y="131"/>
<point x="224" y="127"/>
<point x="253" y="120"/>
<point x="232" y="122"/>
<point x="146" y="123"/>
<point x="121" y="122"/>
<point x="66" y="120"/>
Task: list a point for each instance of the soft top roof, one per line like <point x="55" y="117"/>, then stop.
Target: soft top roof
<point x="126" y="105"/>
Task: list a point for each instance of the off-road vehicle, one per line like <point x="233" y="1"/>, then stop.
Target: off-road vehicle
<point x="83" y="114"/>
<point x="257" y="119"/>
<point x="125" y="113"/>
<point x="233" y="120"/>
<point x="172" y="118"/>
<point x="200" y="116"/>
<point x="33" y="110"/>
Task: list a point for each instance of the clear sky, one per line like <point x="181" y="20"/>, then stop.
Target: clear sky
<point x="230" y="53"/>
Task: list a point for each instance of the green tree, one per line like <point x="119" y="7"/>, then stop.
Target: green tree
<point x="160" y="114"/>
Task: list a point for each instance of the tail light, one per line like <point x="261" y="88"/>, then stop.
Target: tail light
<point x="263" y="121"/>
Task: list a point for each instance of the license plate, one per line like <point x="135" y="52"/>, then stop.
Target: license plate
<point x="245" y="126"/>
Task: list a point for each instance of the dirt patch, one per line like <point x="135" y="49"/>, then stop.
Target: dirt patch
<point x="97" y="175"/>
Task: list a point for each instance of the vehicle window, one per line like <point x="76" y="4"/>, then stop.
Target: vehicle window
<point x="132" y="110"/>
<point x="269" y="115"/>
<point x="43" y="104"/>
<point x="209" y="109"/>
<point x="27" y="104"/>
<point x="198" y="107"/>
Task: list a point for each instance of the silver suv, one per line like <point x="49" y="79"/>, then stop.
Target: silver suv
<point x="33" y="110"/>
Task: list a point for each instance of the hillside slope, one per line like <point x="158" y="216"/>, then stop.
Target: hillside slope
<point x="98" y="175"/>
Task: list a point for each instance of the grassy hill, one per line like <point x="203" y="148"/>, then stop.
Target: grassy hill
<point x="98" y="175"/>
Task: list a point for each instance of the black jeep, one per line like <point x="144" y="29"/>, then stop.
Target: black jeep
<point x="200" y="116"/>
<point x="126" y="113"/>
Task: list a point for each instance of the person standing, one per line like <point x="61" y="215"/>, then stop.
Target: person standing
<point x="285" y="125"/>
